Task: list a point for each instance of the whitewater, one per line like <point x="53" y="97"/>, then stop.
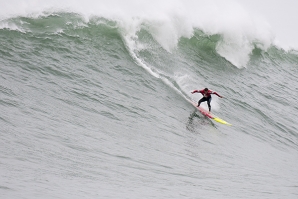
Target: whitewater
<point x="94" y="101"/>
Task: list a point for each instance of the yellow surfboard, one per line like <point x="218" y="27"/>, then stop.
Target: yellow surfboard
<point x="209" y="115"/>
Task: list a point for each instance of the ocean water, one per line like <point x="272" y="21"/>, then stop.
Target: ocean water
<point x="94" y="103"/>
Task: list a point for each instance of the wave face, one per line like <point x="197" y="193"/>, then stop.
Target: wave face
<point x="96" y="106"/>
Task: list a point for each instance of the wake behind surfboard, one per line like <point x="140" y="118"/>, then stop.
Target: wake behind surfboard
<point x="209" y="115"/>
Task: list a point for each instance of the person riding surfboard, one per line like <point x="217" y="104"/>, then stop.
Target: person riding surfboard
<point x="206" y="96"/>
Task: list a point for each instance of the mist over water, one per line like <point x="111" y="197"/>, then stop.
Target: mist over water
<point x="94" y="101"/>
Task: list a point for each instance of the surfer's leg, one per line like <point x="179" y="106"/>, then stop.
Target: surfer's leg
<point x="202" y="100"/>
<point x="208" y="102"/>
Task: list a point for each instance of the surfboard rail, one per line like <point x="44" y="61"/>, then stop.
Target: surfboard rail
<point x="209" y="115"/>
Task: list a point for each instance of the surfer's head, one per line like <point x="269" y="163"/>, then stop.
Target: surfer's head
<point x="206" y="89"/>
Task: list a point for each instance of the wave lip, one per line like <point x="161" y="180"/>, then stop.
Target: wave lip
<point x="167" y="21"/>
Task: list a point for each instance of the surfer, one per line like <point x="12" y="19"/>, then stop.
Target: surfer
<point x="206" y="96"/>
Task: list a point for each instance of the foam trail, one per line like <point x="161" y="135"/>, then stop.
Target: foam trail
<point x="131" y="47"/>
<point x="157" y="74"/>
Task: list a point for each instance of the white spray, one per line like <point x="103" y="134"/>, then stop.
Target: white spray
<point x="167" y="20"/>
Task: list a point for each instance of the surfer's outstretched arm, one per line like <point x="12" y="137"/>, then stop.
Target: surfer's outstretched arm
<point x="217" y="94"/>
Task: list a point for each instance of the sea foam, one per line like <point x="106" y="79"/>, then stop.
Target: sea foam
<point x="167" y="21"/>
